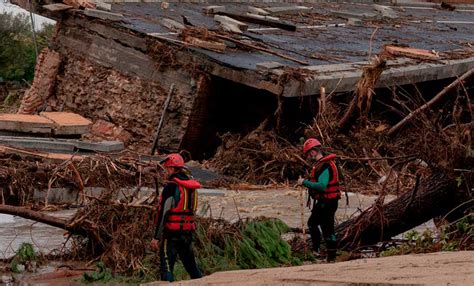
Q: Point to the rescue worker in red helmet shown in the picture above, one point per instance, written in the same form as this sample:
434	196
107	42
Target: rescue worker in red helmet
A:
324	187
175	223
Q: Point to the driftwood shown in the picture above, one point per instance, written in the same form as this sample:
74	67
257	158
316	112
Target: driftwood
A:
260	21
268	51
432	102
435	196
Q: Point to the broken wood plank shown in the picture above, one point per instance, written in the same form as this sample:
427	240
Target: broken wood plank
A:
67	123
259	11
104	15
231	28
411	53
99	4
57	7
213	9
256	20
347	15
78	4
269	65
386	11
26	123
172	24
225	20
263	17
288	9
208	45
241	43
36	154
430	103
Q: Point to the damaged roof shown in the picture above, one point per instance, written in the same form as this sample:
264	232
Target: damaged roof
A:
323	35
309	45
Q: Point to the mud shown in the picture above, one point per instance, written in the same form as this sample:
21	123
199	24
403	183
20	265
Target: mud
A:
442	268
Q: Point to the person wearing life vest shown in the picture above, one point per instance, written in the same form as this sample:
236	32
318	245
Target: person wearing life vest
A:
324	188
175	222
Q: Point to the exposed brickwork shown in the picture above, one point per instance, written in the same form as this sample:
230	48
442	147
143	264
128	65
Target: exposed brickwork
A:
43	84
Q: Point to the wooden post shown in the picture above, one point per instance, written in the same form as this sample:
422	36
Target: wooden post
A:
160	124
303	232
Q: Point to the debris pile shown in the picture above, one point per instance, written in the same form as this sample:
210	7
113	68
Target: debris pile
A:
23	173
260	157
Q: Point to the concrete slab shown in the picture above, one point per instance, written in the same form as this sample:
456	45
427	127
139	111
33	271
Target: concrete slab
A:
61	145
67	123
43	144
25	123
341	81
103	146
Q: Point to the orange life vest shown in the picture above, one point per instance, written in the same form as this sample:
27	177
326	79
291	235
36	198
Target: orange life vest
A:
335	184
181	217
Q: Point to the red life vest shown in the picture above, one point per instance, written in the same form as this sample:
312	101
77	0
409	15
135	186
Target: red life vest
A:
335	184
181	217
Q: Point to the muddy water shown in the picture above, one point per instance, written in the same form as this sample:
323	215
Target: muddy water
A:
231	205
15	230
284	204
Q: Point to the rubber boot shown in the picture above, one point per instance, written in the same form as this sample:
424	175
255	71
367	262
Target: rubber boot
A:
331	245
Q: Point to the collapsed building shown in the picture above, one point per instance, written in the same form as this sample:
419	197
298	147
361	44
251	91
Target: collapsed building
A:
232	64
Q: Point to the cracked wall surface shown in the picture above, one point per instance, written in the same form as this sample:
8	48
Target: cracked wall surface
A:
108	76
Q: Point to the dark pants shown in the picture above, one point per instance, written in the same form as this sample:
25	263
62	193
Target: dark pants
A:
322	215
172	245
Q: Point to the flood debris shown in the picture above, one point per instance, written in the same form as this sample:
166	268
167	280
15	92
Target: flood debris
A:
245	102
131	63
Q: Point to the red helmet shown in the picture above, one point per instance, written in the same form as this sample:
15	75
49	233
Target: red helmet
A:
310	144
173	160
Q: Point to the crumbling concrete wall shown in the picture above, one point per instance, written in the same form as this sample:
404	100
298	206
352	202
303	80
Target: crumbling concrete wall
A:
109	76
122	107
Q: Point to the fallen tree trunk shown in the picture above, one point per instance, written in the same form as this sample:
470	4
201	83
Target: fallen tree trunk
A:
34	215
43	218
435	196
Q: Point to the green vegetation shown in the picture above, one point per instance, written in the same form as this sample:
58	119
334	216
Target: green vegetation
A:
458	235
25	255
221	246
254	244
17	50
101	275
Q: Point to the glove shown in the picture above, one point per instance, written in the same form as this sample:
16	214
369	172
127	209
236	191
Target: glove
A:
300	181
154	244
